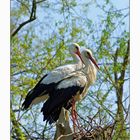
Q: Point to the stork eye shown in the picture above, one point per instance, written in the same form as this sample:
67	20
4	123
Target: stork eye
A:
88	53
76	47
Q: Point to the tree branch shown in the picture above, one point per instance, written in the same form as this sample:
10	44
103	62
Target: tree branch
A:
16	126
40	1
115	64
125	63
32	18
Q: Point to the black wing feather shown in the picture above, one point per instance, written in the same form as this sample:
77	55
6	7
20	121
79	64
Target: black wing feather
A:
39	90
52	107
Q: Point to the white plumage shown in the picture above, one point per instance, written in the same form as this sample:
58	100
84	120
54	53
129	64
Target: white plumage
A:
48	82
61	72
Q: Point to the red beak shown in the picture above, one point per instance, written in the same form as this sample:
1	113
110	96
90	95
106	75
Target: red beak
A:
94	62
79	54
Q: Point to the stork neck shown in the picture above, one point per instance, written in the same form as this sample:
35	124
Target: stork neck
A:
76	58
90	70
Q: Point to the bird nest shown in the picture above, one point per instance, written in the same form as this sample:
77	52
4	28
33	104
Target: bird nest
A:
97	133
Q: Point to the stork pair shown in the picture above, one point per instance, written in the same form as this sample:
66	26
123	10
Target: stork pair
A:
65	85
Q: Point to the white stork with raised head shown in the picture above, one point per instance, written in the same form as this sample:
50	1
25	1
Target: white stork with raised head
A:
49	81
72	88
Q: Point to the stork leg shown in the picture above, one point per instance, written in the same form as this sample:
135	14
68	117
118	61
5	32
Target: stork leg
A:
74	115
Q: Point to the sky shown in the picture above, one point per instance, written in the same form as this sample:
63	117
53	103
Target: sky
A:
92	14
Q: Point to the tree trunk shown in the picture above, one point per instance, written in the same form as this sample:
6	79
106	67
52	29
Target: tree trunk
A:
63	130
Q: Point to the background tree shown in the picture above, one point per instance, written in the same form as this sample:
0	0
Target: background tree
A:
41	31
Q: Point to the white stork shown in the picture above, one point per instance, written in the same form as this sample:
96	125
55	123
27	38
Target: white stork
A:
71	89
49	81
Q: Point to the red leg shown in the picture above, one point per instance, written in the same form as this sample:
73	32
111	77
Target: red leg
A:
74	118
73	115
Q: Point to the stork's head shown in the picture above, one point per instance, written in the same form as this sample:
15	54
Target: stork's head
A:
75	50
88	56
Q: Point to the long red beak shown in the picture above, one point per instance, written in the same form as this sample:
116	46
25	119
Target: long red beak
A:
79	54
94	62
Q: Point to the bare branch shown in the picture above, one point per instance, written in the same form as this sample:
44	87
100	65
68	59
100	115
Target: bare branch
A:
40	1
32	18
